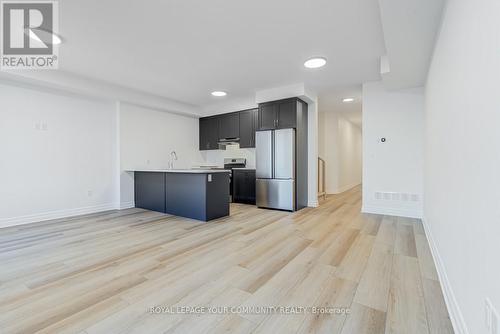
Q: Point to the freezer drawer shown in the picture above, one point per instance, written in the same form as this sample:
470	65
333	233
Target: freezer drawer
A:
276	194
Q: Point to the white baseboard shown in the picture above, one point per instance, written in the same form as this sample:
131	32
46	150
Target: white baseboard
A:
313	204
456	315
126	205
342	189
38	217
400	212
345	188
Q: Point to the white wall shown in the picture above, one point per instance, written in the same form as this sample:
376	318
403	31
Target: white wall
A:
350	155
328	136
77	164
462	159
312	152
340	145
229	105
321	134
217	157
56	153
395	166
146	139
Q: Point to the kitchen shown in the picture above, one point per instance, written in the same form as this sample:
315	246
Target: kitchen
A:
166	160
276	131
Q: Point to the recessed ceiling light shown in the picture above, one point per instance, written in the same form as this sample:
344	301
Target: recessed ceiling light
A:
219	93
348	100
315	62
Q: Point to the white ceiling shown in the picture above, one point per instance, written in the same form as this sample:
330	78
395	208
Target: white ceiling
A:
184	49
332	102
410	28
170	54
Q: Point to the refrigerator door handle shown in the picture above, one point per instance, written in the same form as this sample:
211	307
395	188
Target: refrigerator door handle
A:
273	155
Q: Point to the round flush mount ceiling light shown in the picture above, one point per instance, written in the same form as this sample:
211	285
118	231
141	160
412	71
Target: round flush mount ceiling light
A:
348	100
315	62
219	93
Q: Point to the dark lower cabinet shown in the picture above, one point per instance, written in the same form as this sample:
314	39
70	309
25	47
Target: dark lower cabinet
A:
244	186
197	196
201	196
150	191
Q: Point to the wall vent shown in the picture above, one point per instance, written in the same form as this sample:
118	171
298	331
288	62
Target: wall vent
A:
395	196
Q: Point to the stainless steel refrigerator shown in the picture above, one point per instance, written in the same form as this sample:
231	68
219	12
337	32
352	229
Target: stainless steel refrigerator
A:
275	169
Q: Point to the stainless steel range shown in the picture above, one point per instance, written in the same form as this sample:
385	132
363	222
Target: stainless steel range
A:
229	164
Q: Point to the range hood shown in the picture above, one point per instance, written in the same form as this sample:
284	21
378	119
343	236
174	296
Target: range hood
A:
223	142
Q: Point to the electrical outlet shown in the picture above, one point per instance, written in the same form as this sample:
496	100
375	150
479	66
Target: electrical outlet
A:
491	318
90	193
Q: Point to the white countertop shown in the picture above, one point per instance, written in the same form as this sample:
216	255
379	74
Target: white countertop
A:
190	171
245	168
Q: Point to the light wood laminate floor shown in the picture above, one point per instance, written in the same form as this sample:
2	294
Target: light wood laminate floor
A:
102	273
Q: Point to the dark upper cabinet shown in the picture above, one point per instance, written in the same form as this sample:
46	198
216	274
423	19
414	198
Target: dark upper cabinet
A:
243	186
267	116
209	133
240	124
229	125
280	114
248	122
287	114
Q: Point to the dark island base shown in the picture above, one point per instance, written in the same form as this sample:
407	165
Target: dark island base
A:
192	195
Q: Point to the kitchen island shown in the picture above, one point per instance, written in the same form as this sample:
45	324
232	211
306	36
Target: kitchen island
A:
192	193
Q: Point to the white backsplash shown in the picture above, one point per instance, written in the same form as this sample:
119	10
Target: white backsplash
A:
217	157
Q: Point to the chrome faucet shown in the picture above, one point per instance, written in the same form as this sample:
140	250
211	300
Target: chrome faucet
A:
173	157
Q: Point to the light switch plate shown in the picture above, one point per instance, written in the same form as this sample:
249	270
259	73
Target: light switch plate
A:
209	177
